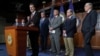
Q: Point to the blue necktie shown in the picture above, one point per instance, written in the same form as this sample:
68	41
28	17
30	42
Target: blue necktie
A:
41	21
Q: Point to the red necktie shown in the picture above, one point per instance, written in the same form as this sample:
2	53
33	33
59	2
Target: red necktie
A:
32	16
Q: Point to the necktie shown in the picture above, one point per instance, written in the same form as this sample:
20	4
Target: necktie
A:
32	16
41	21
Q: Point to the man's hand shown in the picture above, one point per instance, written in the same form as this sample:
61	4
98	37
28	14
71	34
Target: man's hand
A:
31	25
50	28
64	33
28	18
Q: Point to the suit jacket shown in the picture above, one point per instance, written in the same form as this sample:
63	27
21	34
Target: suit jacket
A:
55	23
70	26
35	20
89	23
44	27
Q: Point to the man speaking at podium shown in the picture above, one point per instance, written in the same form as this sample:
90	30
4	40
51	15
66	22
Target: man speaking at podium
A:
33	35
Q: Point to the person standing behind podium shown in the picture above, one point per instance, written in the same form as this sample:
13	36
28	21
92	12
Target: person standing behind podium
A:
88	27
34	19
44	30
54	30
69	30
16	22
22	22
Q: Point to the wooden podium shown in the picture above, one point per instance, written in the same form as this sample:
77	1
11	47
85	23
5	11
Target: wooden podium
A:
15	37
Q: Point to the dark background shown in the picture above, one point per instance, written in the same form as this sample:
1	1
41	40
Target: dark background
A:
8	8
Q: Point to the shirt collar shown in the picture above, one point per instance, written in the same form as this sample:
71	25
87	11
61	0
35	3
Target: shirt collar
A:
70	17
33	12
42	18
56	16
88	11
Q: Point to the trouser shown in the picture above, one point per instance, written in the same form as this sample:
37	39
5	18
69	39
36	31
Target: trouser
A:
55	43
43	40
28	42
69	46
87	44
34	42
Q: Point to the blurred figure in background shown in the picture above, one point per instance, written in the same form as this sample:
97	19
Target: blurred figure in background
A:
16	22
22	22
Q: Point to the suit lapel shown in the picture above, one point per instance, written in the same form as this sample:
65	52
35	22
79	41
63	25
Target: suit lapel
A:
87	16
52	20
33	16
55	20
88	13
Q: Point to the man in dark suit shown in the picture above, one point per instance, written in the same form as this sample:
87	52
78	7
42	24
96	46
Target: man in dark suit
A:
43	31
88	27
69	30
34	19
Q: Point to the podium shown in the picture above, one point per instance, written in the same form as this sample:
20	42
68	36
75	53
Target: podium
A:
15	37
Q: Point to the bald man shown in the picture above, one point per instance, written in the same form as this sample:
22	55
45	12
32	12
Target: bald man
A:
88	27
69	29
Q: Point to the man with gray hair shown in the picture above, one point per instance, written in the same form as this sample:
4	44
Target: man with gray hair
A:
88	27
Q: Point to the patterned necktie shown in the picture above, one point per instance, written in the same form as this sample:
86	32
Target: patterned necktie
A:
32	16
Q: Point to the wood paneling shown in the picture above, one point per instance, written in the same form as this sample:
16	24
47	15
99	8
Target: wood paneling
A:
78	39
